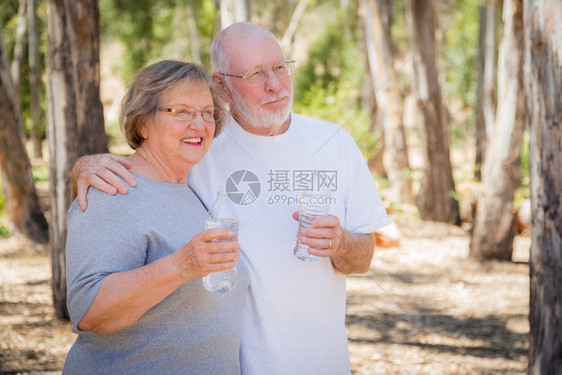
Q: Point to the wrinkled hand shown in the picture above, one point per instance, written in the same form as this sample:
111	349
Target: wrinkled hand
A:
202	256
325	238
102	172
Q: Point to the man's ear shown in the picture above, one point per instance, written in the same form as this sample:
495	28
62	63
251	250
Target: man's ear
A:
218	79
222	87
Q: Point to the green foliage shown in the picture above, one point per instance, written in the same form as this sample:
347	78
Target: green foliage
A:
457	53
8	21
328	85
175	34
40	172
131	22
524	174
460	52
523	191
155	30
399	28
336	104
4	231
276	15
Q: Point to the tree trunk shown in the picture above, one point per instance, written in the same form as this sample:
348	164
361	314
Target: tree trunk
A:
232	11
489	103
543	39
480	125
435	200
19	48
34	80
369	102
193	34
494	224
288	37
75	114
485	97
379	52
20	198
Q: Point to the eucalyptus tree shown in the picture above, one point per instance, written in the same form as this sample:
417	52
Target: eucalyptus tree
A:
435	199
543	46
20	197
376	16
35	81
494	223
75	124
486	89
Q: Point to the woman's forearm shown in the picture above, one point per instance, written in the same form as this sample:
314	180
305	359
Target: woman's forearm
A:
125	296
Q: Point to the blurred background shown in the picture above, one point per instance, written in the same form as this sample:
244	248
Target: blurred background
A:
441	96
415	83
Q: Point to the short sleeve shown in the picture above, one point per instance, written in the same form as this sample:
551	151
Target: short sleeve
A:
100	241
364	209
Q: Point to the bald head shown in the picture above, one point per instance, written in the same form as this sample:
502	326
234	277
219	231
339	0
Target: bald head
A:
235	41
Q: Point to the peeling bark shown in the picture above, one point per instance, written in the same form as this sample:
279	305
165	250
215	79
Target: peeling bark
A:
435	199
543	46
75	124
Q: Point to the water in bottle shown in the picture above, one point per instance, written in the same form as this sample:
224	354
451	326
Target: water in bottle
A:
311	206
221	215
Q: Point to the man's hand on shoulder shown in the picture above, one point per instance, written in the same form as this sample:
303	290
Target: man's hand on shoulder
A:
101	171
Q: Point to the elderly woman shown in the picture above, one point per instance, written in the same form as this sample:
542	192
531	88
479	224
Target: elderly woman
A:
135	261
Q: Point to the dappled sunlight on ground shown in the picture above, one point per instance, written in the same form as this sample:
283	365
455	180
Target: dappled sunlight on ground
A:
424	308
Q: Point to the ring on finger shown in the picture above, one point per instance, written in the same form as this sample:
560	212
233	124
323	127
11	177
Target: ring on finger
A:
330	244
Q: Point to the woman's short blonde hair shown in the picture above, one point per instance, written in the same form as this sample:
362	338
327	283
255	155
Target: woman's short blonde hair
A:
144	95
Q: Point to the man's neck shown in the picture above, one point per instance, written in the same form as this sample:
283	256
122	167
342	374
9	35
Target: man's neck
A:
269	131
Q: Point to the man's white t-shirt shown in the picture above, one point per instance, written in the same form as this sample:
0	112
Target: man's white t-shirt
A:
294	318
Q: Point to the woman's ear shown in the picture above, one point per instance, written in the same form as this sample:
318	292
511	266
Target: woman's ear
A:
144	131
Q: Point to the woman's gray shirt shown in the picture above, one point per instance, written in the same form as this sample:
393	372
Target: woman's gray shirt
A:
192	331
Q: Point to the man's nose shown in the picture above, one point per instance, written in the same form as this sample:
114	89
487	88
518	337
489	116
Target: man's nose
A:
273	82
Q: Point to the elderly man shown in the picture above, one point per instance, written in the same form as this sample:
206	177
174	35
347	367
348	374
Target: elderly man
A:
266	156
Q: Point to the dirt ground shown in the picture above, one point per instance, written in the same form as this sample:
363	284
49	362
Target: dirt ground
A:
424	308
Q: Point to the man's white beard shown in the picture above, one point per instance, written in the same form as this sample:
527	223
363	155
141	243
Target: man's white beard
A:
258	117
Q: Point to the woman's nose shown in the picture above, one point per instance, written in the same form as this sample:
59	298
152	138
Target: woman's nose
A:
197	122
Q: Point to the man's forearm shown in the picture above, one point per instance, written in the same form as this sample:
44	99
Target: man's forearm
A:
74	179
356	251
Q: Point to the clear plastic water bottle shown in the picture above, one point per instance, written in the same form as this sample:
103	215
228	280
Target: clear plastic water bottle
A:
311	206
221	215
